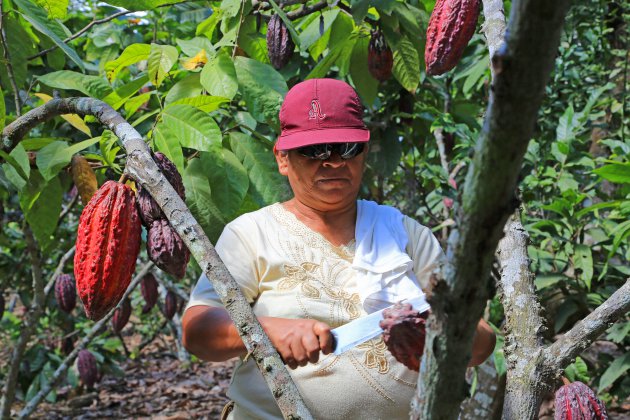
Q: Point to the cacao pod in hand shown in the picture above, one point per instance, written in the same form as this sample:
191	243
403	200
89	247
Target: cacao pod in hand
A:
576	401
149	209
84	178
170	305
166	249
380	57
86	365
149	289
451	26
403	333
280	46
121	316
108	243
65	292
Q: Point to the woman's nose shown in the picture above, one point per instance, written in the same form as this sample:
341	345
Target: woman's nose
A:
334	160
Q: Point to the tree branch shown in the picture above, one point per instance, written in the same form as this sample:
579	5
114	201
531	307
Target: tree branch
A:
522	69
59	270
145	171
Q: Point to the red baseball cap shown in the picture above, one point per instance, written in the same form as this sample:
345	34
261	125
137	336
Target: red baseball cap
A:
321	111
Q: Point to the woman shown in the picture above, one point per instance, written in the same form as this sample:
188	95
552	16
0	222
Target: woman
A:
318	261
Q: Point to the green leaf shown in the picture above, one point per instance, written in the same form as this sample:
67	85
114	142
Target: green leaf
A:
547	280
17	169
566	125
161	61
191	47
577	371
193	128
41	203
52	158
583	261
287	23
77	147
138	5
616	370
406	65
207	27
341	50
3	111
93	86
618	332
168	144
57	9
615	172
120	96
218	76
564	311
131	55
20	46
203	102
188	87
365	84
38	17
311	34
132	105
255	45
267	186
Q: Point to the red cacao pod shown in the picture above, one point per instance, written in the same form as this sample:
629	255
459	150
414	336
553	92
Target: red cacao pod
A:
149	209
108	243
65	292
576	401
149	289
451	26
170	305
380	57
166	249
280	46
88	370
403	333
121	316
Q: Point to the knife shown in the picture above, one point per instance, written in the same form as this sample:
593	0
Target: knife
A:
361	330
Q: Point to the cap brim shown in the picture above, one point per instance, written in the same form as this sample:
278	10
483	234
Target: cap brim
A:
328	135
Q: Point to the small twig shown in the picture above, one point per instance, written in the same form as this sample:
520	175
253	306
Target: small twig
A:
7	58
58	270
238	30
68	209
124	346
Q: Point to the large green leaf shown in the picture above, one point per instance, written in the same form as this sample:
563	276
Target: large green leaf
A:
188	87
38	17
365	84
131	55
218	76
161	61
583	261
138	5
57	9
204	103
193	128
207	27
20	48
263	89
3	111
93	86
616	370
120	96
41	203
17	168
167	143
615	172
406	65
267	186
311	33
52	158
337	52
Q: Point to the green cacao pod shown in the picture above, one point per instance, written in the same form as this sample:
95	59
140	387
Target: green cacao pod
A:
166	249
576	401
280	46
404	333
451	26
108	243
88	370
65	292
380	57
149	290
149	209
121	316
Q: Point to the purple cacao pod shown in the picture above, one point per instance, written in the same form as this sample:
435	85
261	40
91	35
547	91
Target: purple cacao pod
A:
149	289
149	209
66	292
280	45
170	305
86	365
166	249
121	316
576	401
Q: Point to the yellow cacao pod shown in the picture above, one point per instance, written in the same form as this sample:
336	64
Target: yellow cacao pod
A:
84	178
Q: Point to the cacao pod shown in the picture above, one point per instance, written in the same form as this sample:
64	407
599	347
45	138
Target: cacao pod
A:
403	333
121	316
406	104
280	46
451	26
108	243
84	178
149	289
170	305
166	249
380	57
65	292
576	401
86	365
66	345
149	209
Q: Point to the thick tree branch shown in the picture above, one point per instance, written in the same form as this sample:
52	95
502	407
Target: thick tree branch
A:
59	373
522	68
145	171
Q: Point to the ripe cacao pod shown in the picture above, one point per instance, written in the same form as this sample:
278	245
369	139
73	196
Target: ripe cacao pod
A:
86	365
65	292
451	26
403	333
121	316
84	178
576	401
149	209
170	305
380	57
166	249
108	243
149	289
280	46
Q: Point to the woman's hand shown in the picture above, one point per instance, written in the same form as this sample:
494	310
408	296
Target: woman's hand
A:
298	341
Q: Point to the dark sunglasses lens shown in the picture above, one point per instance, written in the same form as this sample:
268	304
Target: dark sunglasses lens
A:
350	150
316	151
323	151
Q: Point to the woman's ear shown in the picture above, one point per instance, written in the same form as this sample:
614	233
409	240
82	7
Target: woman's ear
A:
282	158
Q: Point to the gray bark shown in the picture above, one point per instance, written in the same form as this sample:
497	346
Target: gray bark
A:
522	68
142	168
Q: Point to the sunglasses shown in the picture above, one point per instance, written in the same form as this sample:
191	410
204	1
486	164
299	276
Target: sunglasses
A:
325	150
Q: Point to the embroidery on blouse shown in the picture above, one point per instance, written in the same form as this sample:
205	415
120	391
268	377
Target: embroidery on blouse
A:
301	275
375	357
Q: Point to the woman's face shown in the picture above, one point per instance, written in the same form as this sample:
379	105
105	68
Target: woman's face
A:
324	185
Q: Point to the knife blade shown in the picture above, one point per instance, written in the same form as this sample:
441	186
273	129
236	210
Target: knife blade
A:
363	329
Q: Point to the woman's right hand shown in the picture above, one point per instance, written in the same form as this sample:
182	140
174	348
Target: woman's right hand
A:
298	341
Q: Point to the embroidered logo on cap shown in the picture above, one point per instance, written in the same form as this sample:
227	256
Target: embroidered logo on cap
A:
316	111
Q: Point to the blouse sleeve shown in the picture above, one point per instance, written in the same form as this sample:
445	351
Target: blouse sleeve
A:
424	249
